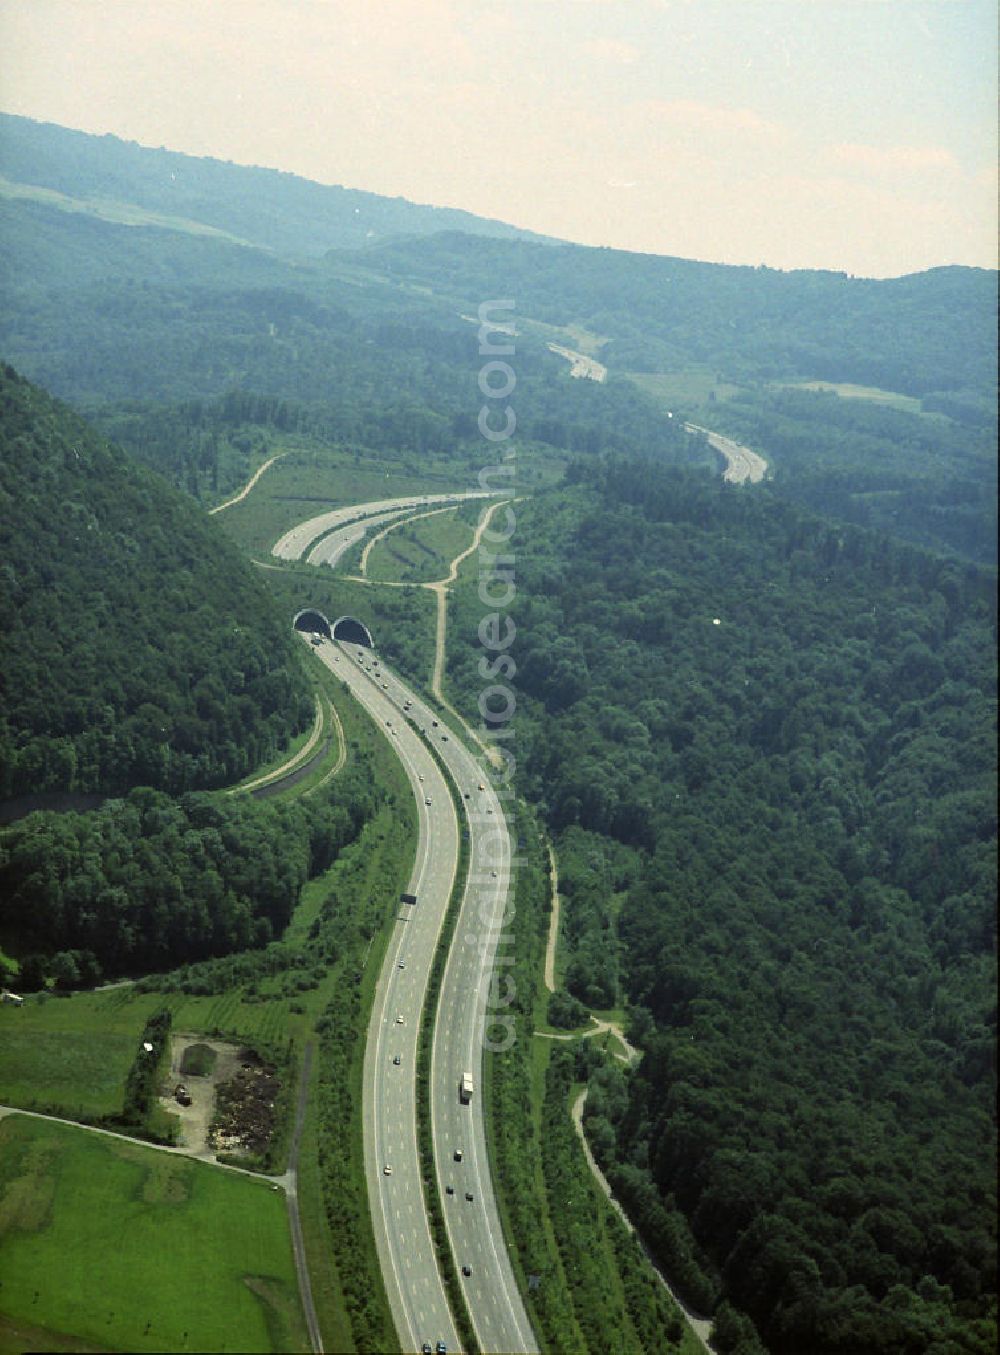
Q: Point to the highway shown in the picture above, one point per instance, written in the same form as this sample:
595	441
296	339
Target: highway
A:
402	1234
416	1293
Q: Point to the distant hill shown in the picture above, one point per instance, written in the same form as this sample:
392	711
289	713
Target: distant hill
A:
927	332
138	648
105	176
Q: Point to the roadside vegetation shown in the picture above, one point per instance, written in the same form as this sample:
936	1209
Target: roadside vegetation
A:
586	1283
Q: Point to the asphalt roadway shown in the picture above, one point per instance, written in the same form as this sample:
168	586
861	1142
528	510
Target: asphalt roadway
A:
409	1266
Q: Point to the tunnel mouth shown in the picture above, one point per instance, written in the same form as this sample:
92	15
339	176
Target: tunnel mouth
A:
312	622
353	632
347	628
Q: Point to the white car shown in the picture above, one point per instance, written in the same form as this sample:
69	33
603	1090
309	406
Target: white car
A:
399	1020
427	799
387	1170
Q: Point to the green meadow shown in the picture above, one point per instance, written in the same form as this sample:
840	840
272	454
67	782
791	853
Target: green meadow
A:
127	1248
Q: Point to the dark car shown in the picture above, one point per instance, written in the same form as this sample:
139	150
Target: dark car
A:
466	1270
469	1195
449	1190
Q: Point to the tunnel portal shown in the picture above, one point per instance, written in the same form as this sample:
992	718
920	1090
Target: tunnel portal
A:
352	632
346	628
313	623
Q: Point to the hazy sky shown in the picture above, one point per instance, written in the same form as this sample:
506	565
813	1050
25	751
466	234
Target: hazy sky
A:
847	134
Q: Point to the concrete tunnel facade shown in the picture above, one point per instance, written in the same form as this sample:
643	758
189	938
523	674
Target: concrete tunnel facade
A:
346	628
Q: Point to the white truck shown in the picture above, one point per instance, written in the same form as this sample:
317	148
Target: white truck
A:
465	1089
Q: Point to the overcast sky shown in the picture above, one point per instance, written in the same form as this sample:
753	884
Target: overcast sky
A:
846	134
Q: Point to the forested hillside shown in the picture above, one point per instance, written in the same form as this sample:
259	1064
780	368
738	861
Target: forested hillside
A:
147	882
767	750
929	332
138	647
263	206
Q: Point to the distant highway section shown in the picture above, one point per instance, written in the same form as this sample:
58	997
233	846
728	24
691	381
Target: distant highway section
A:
742	465
294	544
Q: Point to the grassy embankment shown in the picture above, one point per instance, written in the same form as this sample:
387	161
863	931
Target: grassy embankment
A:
596	1290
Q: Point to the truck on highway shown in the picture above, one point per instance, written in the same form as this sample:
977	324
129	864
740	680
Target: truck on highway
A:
465	1089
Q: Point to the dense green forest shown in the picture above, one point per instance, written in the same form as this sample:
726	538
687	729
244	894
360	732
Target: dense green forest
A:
138	646
766	746
147	882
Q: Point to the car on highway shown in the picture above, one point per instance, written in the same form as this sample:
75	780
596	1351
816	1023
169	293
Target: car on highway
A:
402	964
427	799
466	1270
397	1060
387	1170
449	1190
481	786
399	1019
469	1195
458	1154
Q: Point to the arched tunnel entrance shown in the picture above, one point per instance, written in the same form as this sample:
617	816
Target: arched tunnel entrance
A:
352	632
346	628
313	622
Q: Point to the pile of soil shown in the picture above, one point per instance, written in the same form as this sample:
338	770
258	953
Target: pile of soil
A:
244	1108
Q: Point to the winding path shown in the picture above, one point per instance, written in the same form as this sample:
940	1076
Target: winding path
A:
702	1327
238	498
292	762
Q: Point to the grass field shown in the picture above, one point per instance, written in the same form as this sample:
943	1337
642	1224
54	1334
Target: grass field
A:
130	1249
310	480
420	551
688	388
908	403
